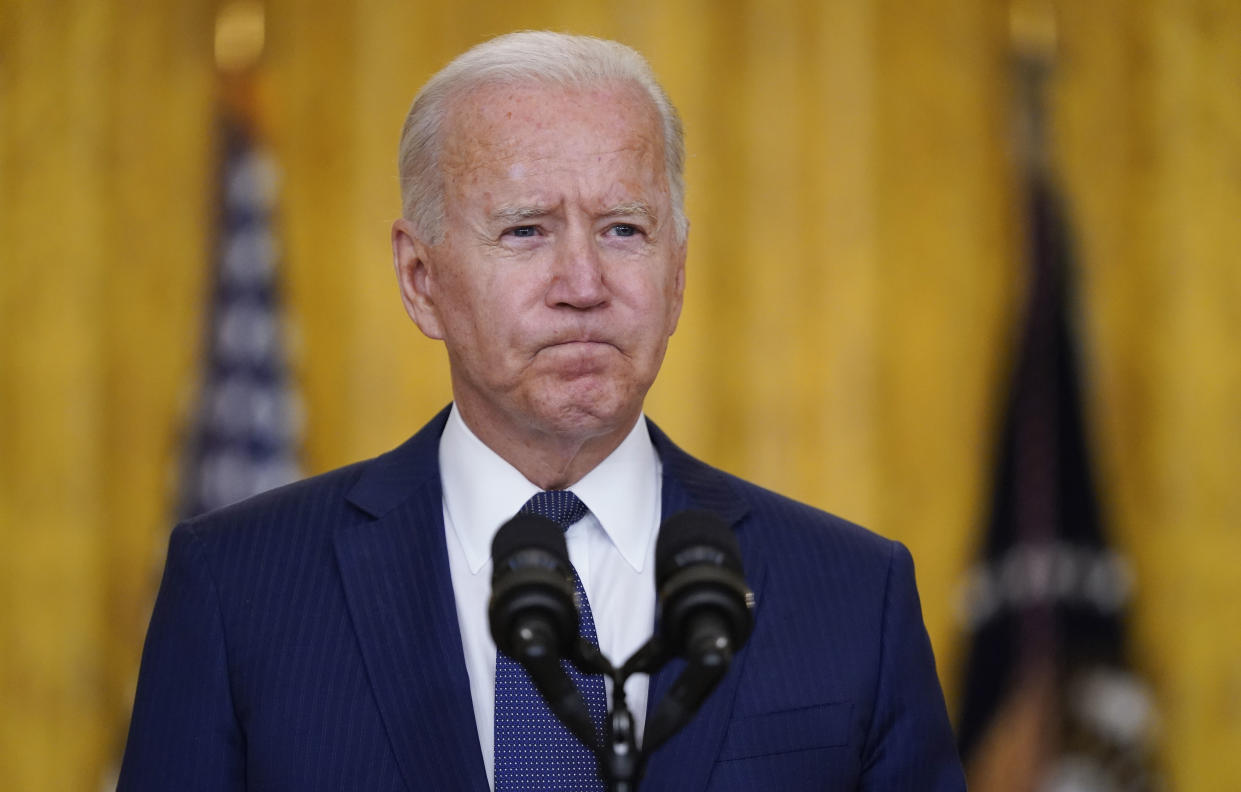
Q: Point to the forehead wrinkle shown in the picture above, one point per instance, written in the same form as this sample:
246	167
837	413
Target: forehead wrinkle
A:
544	202
464	169
501	155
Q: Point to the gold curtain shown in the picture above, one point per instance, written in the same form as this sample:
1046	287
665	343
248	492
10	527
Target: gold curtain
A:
854	279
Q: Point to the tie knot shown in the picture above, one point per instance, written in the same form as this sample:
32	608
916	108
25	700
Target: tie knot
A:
560	506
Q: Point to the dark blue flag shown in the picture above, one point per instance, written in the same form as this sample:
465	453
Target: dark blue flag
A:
1049	701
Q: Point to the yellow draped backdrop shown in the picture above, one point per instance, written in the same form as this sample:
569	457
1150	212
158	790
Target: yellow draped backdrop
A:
853	281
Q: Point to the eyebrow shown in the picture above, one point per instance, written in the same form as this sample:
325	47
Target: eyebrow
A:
631	208
516	214
519	214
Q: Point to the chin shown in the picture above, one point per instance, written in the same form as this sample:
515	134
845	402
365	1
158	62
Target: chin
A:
577	411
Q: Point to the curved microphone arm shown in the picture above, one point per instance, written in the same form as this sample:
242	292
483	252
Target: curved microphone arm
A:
703	671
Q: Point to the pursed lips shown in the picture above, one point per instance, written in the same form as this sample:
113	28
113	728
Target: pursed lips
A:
568	339
584	344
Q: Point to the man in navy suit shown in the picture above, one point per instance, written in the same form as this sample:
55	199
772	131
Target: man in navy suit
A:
331	635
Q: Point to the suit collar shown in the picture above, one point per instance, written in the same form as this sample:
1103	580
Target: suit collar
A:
399	591
392	478
689	483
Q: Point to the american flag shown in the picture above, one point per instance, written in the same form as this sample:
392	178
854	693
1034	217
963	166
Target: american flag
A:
245	433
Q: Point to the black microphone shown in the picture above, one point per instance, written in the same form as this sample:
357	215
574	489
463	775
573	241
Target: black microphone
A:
533	614
705	606
705	612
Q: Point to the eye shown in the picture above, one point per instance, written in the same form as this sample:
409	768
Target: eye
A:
523	231
624	230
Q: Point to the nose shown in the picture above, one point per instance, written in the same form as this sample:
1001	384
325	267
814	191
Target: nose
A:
577	276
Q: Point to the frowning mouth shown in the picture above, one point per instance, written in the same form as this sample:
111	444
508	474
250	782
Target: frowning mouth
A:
576	353
584	343
578	358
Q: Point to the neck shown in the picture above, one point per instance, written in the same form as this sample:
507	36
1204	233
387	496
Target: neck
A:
548	459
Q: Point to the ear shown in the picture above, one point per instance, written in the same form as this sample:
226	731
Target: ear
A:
409	259
678	287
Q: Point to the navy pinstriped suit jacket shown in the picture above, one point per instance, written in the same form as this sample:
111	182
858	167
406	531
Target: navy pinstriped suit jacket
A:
307	639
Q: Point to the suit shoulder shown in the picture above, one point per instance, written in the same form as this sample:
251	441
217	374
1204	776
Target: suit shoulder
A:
793	535
799	523
781	525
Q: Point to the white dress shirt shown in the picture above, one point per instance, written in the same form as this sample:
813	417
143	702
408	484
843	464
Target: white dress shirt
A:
612	548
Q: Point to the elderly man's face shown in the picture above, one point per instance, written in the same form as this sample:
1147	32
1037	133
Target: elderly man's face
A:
559	276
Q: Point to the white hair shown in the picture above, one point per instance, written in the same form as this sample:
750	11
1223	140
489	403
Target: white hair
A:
528	56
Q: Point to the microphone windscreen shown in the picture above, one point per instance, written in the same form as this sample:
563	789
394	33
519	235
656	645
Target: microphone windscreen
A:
693	537
527	532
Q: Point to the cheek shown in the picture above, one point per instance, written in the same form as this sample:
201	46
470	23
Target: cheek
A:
659	301
494	327
467	303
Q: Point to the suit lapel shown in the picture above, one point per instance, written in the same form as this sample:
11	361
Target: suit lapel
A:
399	590
684	763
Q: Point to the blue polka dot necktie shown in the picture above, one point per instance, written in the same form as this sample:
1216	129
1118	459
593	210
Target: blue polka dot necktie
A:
533	750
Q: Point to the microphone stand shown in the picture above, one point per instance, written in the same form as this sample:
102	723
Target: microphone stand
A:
617	754
621	760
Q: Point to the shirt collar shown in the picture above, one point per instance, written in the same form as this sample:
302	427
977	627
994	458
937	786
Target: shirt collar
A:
482	491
